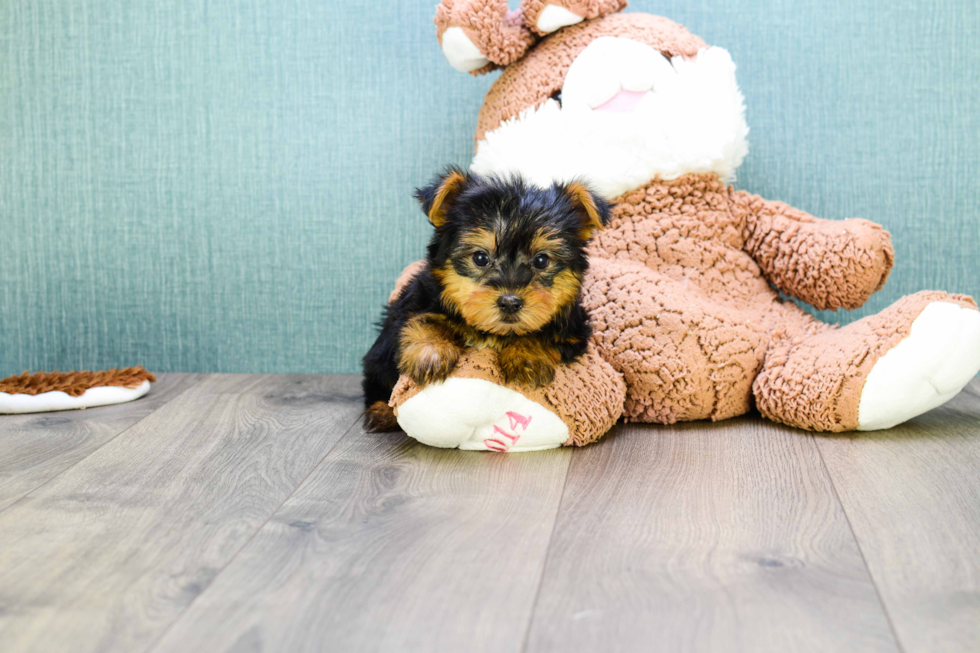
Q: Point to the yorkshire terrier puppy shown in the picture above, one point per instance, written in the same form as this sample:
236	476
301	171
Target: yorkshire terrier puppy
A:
504	270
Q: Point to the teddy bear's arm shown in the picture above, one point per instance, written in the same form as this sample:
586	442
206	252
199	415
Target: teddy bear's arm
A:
829	264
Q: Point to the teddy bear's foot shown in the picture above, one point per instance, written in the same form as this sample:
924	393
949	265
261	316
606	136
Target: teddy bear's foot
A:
877	372
925	370
479	415
475	409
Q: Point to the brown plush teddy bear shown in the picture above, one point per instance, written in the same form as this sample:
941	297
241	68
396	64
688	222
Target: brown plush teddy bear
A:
684	285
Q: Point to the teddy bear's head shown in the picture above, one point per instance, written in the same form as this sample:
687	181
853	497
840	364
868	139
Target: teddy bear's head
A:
614	99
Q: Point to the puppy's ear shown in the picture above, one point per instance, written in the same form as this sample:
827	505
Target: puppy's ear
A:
439	196
594	210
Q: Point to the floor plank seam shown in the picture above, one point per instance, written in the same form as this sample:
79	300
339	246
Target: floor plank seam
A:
547	554
857	542
153	645
99	448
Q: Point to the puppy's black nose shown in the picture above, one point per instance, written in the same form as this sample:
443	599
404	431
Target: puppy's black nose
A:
510	304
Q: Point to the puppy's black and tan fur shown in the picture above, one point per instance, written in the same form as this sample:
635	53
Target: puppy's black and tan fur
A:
504	270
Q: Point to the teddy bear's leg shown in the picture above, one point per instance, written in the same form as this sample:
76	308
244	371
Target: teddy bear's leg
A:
474	410
874	373
684	355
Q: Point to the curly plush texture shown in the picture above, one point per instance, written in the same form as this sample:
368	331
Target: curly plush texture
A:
499	34
680	296
74	384
587	395
531	9
815	382
532	80
407	274
829	265
678	307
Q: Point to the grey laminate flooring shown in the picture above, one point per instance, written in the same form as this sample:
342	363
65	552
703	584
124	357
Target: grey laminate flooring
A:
252	513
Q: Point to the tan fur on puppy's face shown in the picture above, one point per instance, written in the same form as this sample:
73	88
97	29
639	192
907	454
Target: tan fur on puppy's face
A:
477	303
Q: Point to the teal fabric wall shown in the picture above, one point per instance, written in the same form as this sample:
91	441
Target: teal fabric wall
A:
224	185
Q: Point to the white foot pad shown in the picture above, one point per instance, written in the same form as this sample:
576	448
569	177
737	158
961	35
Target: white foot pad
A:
460	51
481	416
925	370
51	401
553	18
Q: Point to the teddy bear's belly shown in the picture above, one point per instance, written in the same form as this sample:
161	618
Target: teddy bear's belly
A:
678	307
683	354
684	229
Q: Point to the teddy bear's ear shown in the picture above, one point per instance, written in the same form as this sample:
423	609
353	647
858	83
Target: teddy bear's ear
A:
439	196
546	16
594	210
478	36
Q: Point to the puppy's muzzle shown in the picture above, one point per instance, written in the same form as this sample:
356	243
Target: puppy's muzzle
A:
510	304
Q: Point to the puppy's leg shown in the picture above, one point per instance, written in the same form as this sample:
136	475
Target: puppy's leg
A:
428	349
380	417
529	361
381	374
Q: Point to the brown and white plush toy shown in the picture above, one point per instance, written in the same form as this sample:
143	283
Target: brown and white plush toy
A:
44	392
682	287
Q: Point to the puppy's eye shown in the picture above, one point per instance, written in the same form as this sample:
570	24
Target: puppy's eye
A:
481	259
541	261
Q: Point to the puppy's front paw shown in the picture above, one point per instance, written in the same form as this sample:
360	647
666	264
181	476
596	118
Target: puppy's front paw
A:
427	352
528	365
379	418
428	362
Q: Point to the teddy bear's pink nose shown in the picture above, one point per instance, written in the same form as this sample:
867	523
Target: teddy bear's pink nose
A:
623	102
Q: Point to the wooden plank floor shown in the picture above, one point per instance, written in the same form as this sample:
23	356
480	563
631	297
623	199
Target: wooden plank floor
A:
252	513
